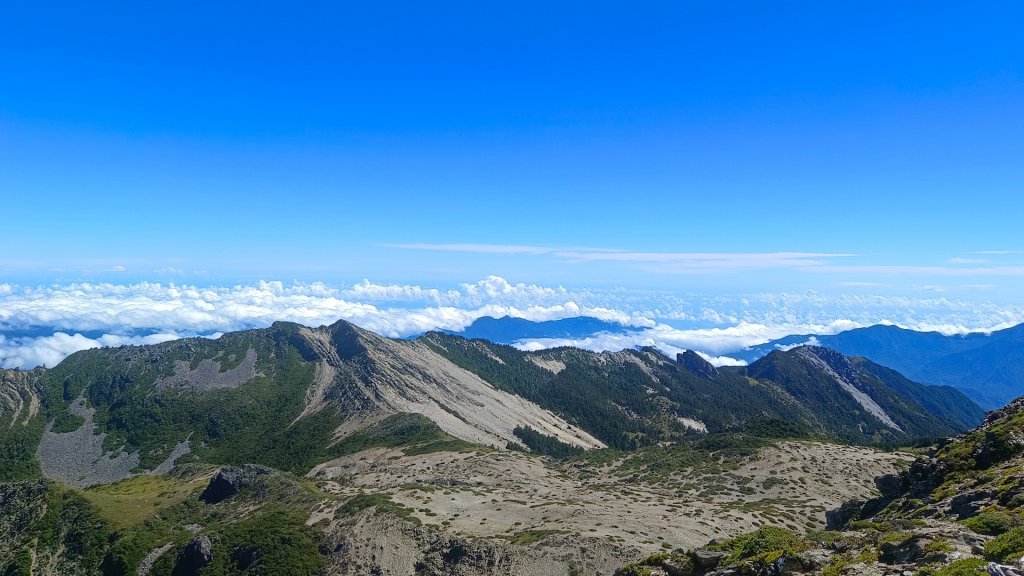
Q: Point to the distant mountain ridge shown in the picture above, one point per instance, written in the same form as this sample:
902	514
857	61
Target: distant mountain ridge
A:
658	394
860	400
509	330
988	368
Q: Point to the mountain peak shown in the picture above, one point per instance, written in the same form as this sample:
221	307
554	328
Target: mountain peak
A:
697	364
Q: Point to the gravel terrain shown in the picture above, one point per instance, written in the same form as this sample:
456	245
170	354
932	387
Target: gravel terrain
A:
77	458
499	495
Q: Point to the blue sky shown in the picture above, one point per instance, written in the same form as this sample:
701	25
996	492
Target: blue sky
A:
682	147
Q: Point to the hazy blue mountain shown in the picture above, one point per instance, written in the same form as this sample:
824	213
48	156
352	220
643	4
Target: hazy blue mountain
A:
988	368
508	330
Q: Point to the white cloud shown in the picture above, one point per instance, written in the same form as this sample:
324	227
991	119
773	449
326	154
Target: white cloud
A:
604	342
50	350
959	260
681	262
812	341
715	325
670	262
475	248
899	270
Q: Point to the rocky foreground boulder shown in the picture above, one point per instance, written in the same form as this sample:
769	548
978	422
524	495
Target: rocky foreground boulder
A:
196	554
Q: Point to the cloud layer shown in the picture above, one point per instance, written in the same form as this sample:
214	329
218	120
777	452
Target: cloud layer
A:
42	324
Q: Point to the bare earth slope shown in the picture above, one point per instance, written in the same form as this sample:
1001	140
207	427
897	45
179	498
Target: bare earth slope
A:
371	376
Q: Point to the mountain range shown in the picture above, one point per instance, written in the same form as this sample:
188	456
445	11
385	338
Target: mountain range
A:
509	330
346	440
989	368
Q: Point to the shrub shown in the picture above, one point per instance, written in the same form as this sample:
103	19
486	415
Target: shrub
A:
963	567
992	523
764	540
1007	546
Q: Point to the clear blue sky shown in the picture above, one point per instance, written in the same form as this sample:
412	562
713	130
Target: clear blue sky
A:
318	141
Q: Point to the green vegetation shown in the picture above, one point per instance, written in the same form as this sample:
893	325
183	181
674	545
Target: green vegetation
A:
413	433
631	401
634	398
644	567
226	425
1007	546
262	527
717	454
945	402
19	432
381	502
763	543
18	450
128	502
962	567
544	444
999	442
48	520
843	416
277	541
839	562
990	522
67	422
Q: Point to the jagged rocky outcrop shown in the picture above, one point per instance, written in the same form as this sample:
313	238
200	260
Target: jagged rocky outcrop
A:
194	556
230	480
696	364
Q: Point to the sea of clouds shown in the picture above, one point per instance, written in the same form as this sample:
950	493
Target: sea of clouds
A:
40	325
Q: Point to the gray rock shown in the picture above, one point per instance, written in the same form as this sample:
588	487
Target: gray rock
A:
903	552
245	557
230	480
705	559
994	569
966	505
788	565
838	518
679	567
196	554
890	485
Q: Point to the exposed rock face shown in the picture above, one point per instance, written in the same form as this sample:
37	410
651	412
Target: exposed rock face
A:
838	367
19	396
207	375
367	376
696	364
196	554
229	481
